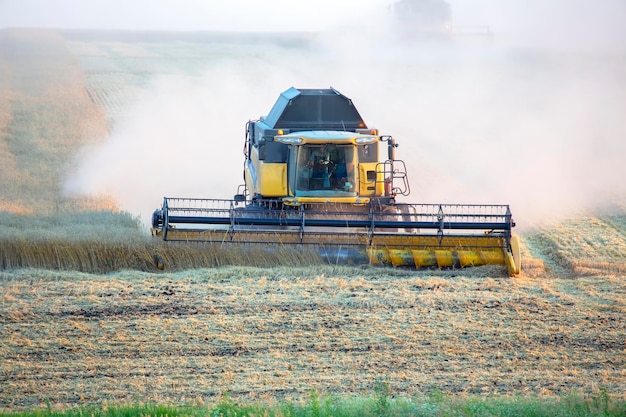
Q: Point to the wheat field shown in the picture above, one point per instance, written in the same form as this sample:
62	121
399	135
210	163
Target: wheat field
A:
86	317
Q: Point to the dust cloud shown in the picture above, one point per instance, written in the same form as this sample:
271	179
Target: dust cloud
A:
532	117
184	137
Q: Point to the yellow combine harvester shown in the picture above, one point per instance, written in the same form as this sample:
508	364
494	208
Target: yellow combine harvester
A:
317	176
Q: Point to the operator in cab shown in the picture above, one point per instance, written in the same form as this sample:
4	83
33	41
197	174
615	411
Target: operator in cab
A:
321	165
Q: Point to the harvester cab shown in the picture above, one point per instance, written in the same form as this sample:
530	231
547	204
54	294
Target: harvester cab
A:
316	176
314	147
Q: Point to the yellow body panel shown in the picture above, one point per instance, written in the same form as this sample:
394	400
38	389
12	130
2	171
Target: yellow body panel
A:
268	179
370	188
271	180
517	257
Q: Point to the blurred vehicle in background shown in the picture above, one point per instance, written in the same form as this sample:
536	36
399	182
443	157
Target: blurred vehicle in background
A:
430	19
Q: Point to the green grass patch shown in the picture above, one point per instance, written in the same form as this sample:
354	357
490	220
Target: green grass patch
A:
380	404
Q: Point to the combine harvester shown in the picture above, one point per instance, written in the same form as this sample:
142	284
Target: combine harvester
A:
431	19
316	176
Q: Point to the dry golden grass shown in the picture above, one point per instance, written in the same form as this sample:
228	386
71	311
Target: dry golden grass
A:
257	333
45	117
102	256
100	242
588	245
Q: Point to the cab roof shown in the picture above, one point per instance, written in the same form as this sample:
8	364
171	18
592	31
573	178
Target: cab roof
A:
314	109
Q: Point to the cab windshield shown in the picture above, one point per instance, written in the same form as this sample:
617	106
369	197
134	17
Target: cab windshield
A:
325	170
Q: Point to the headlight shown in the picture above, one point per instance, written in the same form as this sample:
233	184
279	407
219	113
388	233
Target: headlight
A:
363	140
289	140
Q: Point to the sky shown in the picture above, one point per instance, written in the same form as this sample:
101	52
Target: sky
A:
286	14
587	23
179	14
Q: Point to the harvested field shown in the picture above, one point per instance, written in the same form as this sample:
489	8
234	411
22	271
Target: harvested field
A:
85	316
278	333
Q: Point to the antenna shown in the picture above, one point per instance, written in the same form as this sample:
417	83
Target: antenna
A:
344	125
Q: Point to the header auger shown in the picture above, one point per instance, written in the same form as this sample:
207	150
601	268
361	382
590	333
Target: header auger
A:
317	176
